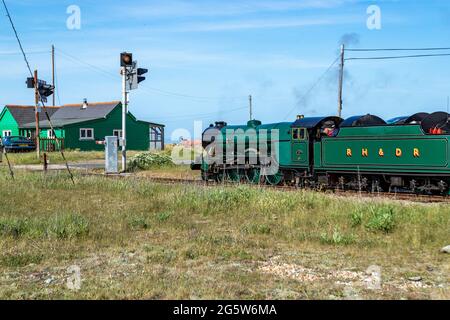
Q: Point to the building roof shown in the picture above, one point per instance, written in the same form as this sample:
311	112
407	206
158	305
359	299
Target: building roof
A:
25	114
93	111
57	123
66	114
75	113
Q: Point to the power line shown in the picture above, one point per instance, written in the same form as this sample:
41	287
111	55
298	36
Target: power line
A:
399	57
397	49
17	37
206	117
19	53
40	96
202	115
156	90
114	76
314	85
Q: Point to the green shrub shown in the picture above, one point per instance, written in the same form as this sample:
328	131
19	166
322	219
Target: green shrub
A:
356	217
257	229
381	219
149	160
138	222
20	260
13	227
61	226
67	226
337	238
163	216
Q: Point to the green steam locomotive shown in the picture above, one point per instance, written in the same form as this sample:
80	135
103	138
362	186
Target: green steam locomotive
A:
405	154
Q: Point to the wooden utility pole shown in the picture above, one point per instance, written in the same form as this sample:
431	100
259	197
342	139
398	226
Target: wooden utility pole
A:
448	104
250	107
53	72
36	111
341	81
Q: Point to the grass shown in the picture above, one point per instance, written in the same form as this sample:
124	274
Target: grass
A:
55	157
133	239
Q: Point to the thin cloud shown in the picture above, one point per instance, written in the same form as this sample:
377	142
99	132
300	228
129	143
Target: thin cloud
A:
179	8
264	24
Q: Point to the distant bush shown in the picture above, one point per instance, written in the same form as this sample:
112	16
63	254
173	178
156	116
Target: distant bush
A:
148	160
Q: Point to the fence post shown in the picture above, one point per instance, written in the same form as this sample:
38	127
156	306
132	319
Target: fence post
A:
45	162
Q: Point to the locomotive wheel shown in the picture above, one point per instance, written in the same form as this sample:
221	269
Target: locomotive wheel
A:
219	177
234	175
253	176
275	179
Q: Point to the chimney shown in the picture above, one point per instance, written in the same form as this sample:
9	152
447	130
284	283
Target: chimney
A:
85	104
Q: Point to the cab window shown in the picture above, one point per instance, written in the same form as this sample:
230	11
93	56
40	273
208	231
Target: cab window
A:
299	134
302	134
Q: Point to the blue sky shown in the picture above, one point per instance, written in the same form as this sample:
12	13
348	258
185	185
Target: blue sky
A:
205	57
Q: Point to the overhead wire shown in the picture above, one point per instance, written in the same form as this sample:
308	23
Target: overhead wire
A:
111	75
398	57
395	49
303	97
20	53
40	96
153	89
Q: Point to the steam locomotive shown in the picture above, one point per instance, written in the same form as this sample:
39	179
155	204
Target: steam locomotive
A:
404	154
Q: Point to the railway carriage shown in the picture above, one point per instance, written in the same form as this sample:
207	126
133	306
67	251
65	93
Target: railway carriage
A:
405	154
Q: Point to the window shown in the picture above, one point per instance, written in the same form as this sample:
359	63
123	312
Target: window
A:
299	134
117	133
6	133
50	134
302	134
86	134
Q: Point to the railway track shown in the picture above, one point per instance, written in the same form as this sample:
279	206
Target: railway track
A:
341	193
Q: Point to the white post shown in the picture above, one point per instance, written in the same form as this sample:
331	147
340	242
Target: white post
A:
124	118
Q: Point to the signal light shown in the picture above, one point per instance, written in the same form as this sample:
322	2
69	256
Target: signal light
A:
30	83
46	90
126	59
140	72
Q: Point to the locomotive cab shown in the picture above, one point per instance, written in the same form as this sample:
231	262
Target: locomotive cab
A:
305	132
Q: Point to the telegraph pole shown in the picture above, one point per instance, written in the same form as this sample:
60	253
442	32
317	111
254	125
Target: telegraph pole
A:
36	112
53	71
448	104
250	107
341	80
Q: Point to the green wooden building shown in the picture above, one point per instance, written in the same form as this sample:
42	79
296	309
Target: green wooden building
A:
80	126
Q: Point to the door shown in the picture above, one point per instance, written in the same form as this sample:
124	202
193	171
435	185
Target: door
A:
300	146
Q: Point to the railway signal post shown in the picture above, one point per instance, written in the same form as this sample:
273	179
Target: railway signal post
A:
131	77
42	91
